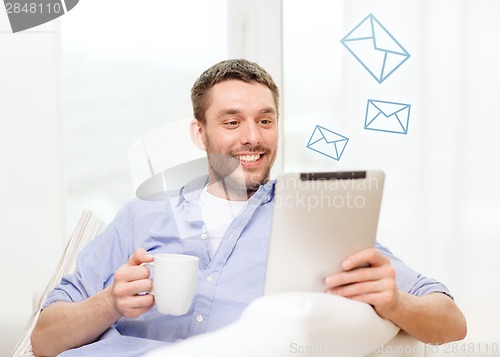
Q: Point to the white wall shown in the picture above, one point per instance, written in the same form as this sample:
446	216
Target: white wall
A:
32	188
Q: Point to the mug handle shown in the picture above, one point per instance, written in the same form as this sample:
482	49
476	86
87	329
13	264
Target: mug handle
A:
151	292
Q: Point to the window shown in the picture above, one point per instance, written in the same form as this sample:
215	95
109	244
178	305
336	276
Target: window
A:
128	68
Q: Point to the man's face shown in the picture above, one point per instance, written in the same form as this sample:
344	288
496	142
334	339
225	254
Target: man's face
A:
241	134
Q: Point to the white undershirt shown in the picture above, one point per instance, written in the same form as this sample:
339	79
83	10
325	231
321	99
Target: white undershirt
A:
217	213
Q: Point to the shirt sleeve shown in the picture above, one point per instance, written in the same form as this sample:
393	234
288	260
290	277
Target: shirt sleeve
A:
97	262
409	280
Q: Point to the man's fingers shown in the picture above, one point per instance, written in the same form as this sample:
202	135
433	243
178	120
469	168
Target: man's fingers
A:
369	256
361	288
137	302
131	273
353	276
133	288
134	306
139	257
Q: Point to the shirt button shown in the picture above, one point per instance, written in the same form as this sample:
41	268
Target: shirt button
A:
199	318
203	236
210	278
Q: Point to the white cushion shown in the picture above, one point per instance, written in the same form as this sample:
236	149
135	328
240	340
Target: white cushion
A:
292	324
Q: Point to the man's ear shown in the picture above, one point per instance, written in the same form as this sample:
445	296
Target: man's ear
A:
196	130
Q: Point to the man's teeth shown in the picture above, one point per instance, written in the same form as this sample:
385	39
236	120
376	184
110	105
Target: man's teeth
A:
248	158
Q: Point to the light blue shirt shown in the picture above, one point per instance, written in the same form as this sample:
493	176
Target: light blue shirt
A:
227	282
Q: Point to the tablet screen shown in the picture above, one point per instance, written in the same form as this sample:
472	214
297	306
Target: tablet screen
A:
319	219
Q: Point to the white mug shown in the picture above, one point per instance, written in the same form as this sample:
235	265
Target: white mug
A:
174	282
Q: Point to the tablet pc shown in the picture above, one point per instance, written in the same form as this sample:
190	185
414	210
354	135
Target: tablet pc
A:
319	219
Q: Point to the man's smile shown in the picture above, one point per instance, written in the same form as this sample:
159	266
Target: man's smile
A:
249	159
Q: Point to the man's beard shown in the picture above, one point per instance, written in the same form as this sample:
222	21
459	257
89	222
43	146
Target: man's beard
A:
228	171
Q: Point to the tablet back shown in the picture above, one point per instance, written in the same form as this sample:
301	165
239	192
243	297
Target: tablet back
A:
318	220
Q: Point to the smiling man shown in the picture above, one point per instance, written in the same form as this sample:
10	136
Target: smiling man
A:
225	220
242	119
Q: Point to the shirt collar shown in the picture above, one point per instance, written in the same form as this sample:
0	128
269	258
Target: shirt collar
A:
192	190
187	200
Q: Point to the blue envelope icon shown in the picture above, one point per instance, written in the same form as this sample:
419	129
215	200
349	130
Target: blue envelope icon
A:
387	116
375	48
327	142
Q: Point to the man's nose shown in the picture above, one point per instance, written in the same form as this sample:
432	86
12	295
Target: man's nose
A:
251	134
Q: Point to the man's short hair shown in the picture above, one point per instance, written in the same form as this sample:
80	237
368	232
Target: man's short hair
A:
239	69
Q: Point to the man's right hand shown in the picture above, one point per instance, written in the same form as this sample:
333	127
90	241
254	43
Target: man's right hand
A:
130	280
65	325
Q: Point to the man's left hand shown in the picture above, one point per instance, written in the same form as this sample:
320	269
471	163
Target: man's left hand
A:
367	276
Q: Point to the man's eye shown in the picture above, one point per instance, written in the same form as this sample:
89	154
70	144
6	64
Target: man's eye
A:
232	123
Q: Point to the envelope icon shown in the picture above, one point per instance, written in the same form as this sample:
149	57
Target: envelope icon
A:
387	116
327	142
375	48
